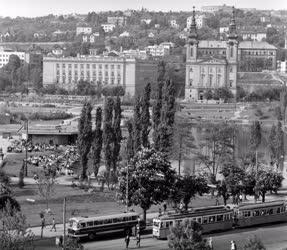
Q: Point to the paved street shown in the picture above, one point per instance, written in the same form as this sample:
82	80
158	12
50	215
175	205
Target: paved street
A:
274	237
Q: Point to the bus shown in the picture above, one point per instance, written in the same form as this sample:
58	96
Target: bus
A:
213	218
80	227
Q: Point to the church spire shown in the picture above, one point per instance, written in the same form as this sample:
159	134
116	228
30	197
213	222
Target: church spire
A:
232	26
192	28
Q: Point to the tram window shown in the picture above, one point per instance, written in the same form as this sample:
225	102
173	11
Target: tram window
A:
211	219
205	220
278	210
271	211
247	213
115	220
263	212
134	218
219	217
199	220
256	213
282	209
90	223
82	225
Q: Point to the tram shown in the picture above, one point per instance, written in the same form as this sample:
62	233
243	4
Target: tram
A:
212	218
223	218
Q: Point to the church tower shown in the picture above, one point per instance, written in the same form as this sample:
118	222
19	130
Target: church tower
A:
232	55
192	40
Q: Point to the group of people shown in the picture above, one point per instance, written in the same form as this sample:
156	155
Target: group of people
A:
137	237
43	225
232	244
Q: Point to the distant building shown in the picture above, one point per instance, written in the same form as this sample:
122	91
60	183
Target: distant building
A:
84	30
146	21
130	73
223	30
151	35
282	66
124	34
210	64
173	24
34	59
199	20
158	50
134	53
117	20
253	34
107	27
215	8
58	33
157	26
91	38
6	53
57	50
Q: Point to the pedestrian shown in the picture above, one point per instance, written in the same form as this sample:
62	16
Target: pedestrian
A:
233	245
138	239
216	202
181	206
210	244
43	225
159	212
53	225
240	198
164	207
127	240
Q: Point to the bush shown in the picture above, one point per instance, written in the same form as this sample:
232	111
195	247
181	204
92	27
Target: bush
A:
60	115
254	244
113	91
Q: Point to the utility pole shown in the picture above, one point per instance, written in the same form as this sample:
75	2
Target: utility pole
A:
127	189
64	223
26	148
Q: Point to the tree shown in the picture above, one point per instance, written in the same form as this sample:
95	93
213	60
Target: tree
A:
14	234
97	142
183	141
137	125
36	78
217	147
130	142
222	190
254	244
145	116
46	186
189	186
255	138
85	137
187	236
108	134
150	179
117	133
21	176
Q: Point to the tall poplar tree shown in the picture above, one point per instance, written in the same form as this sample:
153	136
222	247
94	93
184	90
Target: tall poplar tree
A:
130	141
84	138
108	135
137	126
117	133
145	116
97	141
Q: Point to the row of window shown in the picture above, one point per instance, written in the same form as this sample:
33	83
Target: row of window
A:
107	221
88	66
94	79
211	70
94	73
258	53
262	212
200	220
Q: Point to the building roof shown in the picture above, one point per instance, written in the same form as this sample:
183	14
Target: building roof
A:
212	44
255	45
262	78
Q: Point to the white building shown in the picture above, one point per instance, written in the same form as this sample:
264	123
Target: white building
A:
199	20
5	54
173	24
282	66
253	35
125	34
90	38
108	27
146	21
84	30
158	50
223	30
130	73
151	35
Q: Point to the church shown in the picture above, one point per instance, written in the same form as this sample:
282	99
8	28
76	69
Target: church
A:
210	64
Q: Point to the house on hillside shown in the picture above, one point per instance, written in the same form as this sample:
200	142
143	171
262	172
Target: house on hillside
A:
124	34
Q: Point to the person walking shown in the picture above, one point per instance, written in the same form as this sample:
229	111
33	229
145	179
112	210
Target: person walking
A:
233	245
210	243
53	225
127	240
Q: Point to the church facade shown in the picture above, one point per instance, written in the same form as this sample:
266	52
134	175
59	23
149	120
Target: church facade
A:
210	64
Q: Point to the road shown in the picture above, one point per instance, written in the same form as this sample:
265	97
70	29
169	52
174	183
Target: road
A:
274	238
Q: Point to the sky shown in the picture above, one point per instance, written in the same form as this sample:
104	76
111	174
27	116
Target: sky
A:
32	8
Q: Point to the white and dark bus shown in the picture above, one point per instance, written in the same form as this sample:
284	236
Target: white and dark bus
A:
81	227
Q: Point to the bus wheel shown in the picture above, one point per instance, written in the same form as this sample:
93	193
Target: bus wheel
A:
92	236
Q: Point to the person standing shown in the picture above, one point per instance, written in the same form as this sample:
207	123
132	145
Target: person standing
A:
138	239
43	225
127	240
53	225
210	243
233	245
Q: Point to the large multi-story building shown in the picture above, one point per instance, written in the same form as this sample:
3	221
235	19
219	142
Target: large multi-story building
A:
215	8
210	64
108	27
6	53
130	73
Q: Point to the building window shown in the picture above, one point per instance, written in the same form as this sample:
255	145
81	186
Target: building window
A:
69	66
94	66
106	80
106	66
64	65
119	81
76	73
58	72
75	66
230	83
218	79
82	73
106	73
231	51
230	69
100	66
190	70
94	73
70	72
112	66
210	80
119	66
57	65
88	73
82	66
76	79
87	66
190	82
